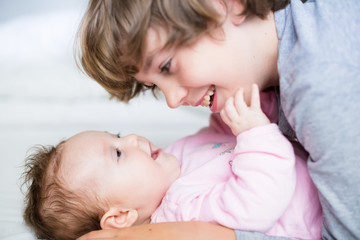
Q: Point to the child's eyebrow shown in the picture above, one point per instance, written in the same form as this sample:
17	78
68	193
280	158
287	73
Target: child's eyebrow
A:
148	62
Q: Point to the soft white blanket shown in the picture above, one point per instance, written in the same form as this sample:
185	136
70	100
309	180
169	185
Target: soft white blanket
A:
44	98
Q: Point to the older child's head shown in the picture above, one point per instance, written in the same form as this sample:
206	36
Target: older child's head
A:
132	45
95	180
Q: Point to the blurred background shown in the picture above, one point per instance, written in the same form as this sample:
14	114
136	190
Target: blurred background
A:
45	98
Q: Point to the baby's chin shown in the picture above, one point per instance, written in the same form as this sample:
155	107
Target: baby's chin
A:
172	166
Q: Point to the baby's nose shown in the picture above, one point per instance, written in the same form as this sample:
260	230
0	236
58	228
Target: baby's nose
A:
131	139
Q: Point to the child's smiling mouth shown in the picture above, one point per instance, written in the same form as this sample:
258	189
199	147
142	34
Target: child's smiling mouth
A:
207	100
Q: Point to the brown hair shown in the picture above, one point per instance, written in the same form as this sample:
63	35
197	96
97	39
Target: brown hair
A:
51	210
112	35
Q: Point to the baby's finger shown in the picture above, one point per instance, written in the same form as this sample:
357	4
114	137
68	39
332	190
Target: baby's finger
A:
229	108
224	117
239	100
255	96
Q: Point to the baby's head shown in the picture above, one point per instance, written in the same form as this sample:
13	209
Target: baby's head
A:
113	34
95	180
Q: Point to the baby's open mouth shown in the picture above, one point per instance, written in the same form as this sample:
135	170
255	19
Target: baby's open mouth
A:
155	154
209	97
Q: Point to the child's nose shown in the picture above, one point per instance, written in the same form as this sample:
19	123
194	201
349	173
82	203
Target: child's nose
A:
175	97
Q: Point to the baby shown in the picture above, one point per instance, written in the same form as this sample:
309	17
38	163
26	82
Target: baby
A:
250	180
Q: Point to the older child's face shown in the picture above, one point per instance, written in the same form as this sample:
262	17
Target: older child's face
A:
210	71
129	170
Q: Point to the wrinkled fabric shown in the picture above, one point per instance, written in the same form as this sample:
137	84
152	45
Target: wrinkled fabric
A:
252	182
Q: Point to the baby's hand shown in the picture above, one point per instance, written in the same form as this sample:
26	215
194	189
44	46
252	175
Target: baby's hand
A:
241	117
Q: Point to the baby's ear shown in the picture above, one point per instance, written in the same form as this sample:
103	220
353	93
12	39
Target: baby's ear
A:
117	217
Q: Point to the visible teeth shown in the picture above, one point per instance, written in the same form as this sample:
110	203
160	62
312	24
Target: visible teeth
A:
205	103
206	100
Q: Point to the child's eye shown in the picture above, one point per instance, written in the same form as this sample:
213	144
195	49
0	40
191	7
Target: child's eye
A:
166	67
149	85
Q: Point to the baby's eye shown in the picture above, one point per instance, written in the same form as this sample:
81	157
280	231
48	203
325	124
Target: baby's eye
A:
166	67
118	153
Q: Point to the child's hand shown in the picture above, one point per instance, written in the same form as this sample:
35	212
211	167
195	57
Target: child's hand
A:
241	117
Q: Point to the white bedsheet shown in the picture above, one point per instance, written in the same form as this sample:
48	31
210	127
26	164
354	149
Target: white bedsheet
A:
44	99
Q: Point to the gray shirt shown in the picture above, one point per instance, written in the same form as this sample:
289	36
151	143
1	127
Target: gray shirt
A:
319	68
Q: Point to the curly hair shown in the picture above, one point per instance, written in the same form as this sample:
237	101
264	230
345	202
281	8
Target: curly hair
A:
53	211
112	35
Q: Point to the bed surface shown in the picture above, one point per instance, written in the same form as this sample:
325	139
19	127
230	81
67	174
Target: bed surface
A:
44	98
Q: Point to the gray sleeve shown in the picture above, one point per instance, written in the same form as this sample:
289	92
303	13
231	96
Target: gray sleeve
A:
320	96
325	114
243	235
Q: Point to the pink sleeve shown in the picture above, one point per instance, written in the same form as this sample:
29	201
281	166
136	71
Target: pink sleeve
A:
262	184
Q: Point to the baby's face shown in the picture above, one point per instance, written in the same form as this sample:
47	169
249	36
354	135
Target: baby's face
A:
129	170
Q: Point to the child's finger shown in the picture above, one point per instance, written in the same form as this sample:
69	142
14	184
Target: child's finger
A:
255	96
239	100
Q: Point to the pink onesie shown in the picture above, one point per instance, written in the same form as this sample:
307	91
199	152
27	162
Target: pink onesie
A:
250	182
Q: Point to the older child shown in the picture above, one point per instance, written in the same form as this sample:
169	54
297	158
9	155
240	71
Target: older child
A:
200	52
251	182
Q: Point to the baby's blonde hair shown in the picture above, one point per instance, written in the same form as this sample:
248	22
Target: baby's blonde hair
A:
53	211
112	35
